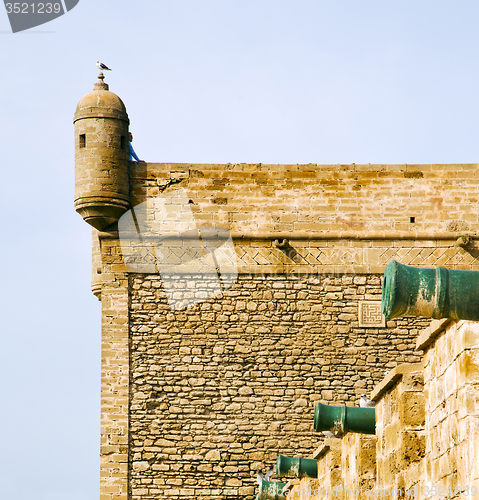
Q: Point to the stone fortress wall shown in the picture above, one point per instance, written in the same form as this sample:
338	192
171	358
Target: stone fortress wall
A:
194	401
217	391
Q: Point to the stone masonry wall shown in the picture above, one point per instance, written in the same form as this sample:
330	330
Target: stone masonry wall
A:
220	389
314	199
451	387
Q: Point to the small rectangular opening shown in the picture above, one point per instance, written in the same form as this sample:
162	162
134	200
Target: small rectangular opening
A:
412	220
122	142
82	140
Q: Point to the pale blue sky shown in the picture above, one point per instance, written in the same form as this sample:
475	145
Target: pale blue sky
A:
270	81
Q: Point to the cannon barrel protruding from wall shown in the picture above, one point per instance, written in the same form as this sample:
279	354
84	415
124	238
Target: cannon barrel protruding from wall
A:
343	419
432	293
271	490
296	467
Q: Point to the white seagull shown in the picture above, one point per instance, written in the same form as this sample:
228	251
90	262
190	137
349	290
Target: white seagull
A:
365	402
260	477
102	66
268	474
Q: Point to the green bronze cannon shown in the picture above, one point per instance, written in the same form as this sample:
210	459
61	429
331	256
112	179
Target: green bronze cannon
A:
271	490
433	293
343	419
296	467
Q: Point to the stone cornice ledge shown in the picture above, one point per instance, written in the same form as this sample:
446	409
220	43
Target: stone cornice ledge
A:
353	235
428	335
329	235
393	376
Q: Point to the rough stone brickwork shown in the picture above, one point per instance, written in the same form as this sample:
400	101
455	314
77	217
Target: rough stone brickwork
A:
222	388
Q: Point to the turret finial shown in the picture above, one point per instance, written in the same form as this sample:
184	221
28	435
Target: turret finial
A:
101	85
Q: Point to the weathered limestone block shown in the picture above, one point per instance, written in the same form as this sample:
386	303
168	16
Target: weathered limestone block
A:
400	428
329	466
358	464
451	378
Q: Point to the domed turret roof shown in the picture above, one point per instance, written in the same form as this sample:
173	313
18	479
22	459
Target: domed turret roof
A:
101	103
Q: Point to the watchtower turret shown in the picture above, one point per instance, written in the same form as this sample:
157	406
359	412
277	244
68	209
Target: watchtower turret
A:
101	157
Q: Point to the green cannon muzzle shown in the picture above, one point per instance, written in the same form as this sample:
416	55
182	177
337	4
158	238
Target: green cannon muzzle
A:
296	467
432	293
343	419
271	490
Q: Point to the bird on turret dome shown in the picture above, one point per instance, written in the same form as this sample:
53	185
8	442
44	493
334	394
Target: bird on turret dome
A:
102	67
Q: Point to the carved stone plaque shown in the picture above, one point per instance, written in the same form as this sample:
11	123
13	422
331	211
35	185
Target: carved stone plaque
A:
370	315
